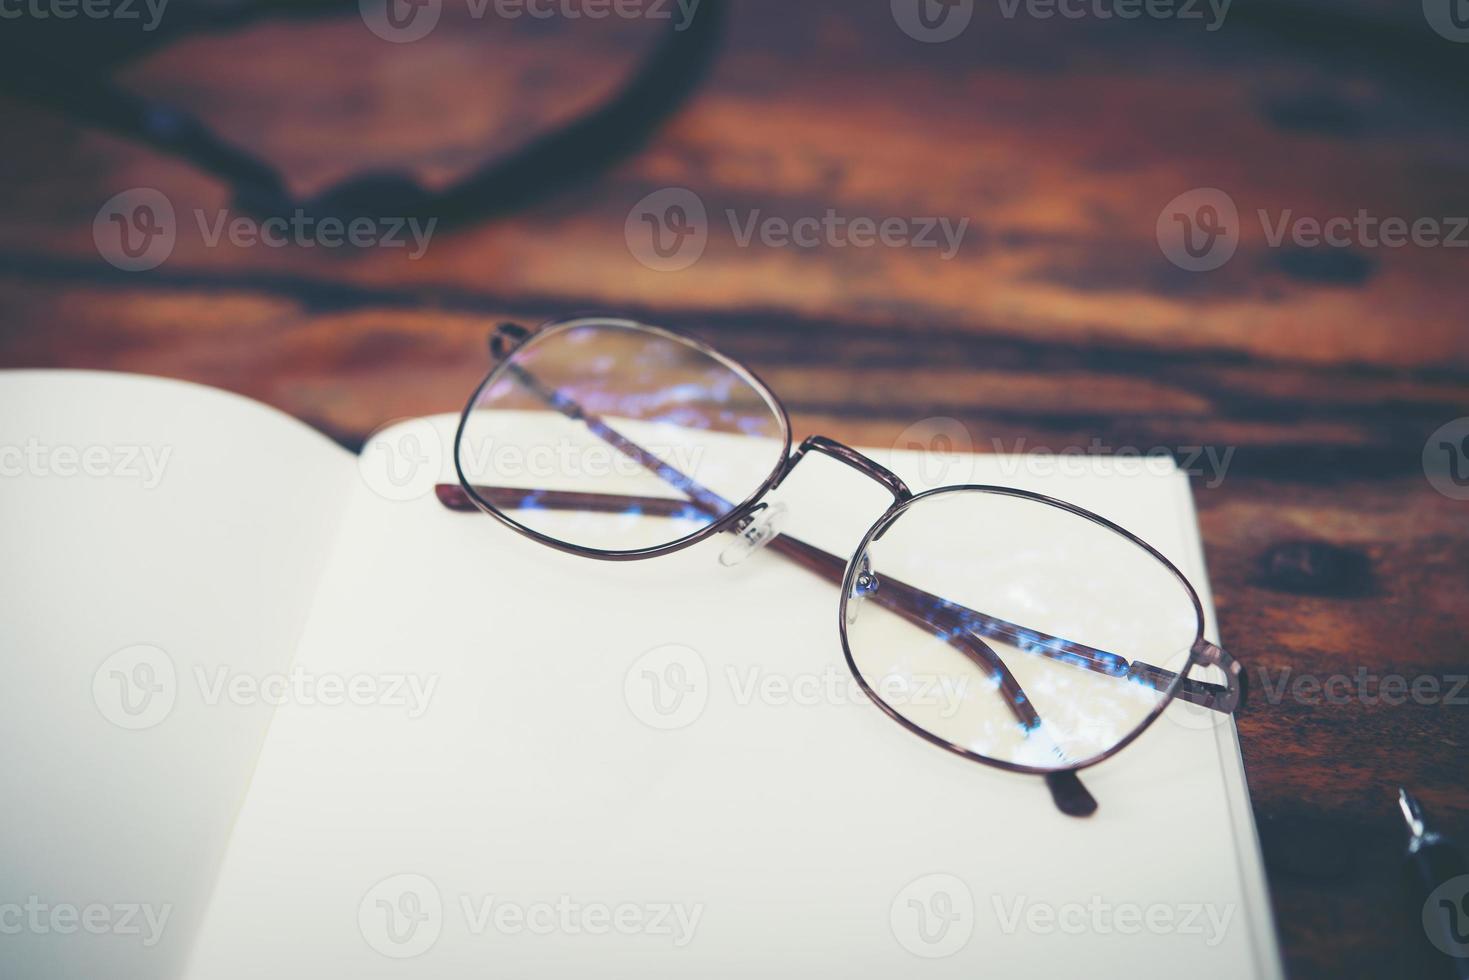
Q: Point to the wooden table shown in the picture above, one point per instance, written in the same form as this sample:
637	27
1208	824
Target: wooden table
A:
1058	322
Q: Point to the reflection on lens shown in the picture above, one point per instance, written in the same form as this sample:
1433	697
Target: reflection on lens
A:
1015	629
618	438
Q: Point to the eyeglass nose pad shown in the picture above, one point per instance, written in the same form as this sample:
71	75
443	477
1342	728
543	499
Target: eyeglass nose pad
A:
754	533
863	585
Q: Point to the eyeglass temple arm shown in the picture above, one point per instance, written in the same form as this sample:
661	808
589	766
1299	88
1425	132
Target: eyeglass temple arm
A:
919	607
707	501
971	646
714	506
822	563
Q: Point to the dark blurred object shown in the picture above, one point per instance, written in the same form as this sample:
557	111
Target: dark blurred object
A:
67	65
1316	568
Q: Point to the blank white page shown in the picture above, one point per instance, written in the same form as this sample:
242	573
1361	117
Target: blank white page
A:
536	816
152	530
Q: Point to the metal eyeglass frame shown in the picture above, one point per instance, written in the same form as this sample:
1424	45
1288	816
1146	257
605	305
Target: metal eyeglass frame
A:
965	629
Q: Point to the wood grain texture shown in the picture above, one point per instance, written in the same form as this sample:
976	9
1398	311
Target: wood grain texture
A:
1057	323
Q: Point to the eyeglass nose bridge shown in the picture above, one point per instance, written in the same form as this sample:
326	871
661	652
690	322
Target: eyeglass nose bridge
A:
854	459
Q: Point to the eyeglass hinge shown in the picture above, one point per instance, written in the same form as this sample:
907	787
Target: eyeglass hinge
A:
1213	655
506	337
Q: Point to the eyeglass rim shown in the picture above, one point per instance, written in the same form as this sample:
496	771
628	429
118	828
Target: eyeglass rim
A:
736	514
898	508
903	500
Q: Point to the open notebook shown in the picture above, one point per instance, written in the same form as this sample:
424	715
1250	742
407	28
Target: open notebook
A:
271	710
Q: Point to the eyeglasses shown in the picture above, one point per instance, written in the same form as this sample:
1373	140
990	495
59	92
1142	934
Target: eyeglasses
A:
1055	636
